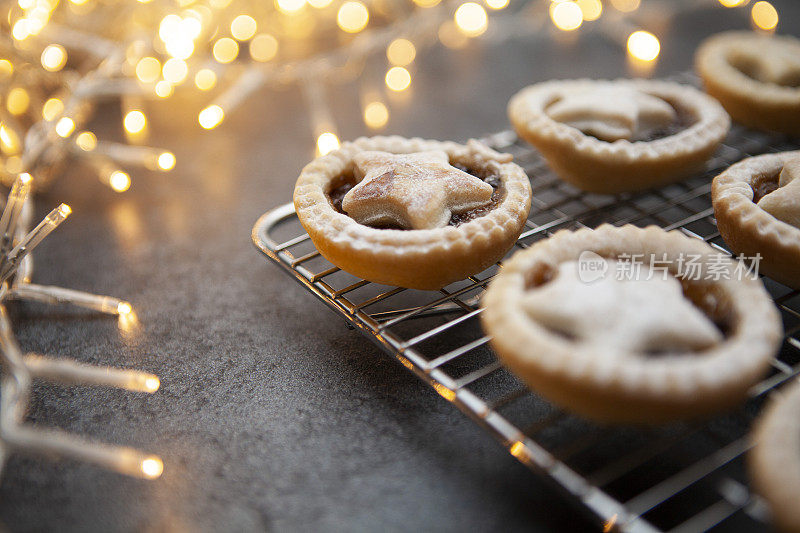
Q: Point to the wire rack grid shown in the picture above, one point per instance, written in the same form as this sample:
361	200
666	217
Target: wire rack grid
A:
681	477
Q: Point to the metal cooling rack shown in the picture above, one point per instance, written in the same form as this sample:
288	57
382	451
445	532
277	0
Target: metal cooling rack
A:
681	477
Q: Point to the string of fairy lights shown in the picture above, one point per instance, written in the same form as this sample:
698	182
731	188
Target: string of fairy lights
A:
264	31
60	58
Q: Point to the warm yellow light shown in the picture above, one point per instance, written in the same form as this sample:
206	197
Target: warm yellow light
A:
451	36
9	140
211	117
263	47
401	52
54	57
20	30
148	69
169	27
166	161
352	16
765	16
591	9
319	4
643	45
86	141
626	6
123	308
25	178
566	16
180	46
290	6
25	4
134	121
80	2
376	115
733	3
471	19
327	142
6	68
52	108
64	127
398	79
192	26
519	451
65	210
226	50
243	27
497	4
151	384
175	70
205	79
152	467
120	182
427	3
163	89
17	101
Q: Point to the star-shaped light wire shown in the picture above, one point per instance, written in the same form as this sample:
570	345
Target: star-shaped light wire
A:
16	244
417	191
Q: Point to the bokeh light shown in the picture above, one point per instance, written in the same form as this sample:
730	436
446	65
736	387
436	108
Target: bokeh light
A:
497	4
626	6
148	69
352	16
327	142
401	52
765	16
17	101
643	45
211	117
134	121
54	57
225	50
566	15
243	27
398	79
205	79
591	9
376	115
471	19
86	141
263	47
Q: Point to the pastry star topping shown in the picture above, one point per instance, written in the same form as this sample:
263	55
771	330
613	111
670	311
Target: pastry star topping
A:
784	202
776	64
612	113
621	315
413	191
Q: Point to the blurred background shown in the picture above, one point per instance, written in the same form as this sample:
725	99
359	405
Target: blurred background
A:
169	127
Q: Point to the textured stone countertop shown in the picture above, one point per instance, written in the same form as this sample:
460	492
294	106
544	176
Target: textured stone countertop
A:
272	414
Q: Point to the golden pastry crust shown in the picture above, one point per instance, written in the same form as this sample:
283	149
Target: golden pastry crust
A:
612	167
418	259
774	461
766	106
612	385
749	230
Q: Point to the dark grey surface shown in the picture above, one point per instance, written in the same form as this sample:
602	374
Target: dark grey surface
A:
271	413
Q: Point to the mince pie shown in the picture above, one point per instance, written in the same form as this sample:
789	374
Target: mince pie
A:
410	212
615	325
622	135
757	207
775	459
756	77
